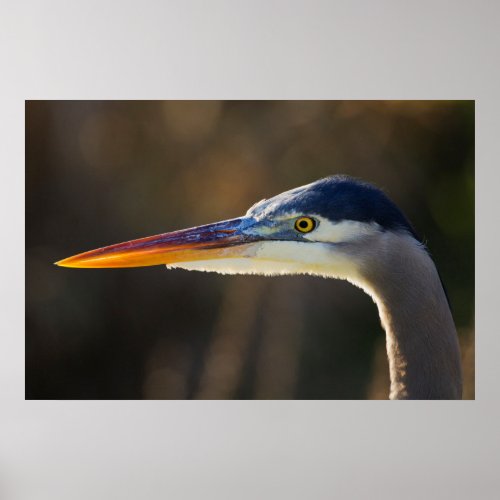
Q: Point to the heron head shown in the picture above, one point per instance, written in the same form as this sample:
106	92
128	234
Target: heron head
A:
321	228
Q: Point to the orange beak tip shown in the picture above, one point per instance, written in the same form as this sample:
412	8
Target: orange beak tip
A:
63	263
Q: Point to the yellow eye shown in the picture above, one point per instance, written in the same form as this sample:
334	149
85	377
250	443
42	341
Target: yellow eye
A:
305	224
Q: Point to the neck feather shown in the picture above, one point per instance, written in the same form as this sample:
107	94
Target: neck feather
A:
422	344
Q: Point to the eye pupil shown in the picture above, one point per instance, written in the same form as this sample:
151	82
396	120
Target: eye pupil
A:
303	224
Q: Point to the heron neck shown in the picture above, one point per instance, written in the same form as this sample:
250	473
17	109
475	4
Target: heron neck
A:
422	344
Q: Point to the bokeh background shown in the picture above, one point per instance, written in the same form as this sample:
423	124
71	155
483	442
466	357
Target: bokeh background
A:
99	173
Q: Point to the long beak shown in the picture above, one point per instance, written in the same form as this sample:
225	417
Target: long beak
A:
214	241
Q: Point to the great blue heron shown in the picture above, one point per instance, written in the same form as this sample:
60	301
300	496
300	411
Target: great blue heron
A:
336	227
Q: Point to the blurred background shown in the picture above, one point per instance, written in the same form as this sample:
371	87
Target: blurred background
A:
99	173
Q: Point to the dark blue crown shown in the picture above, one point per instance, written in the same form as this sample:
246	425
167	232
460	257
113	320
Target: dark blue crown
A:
339	198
